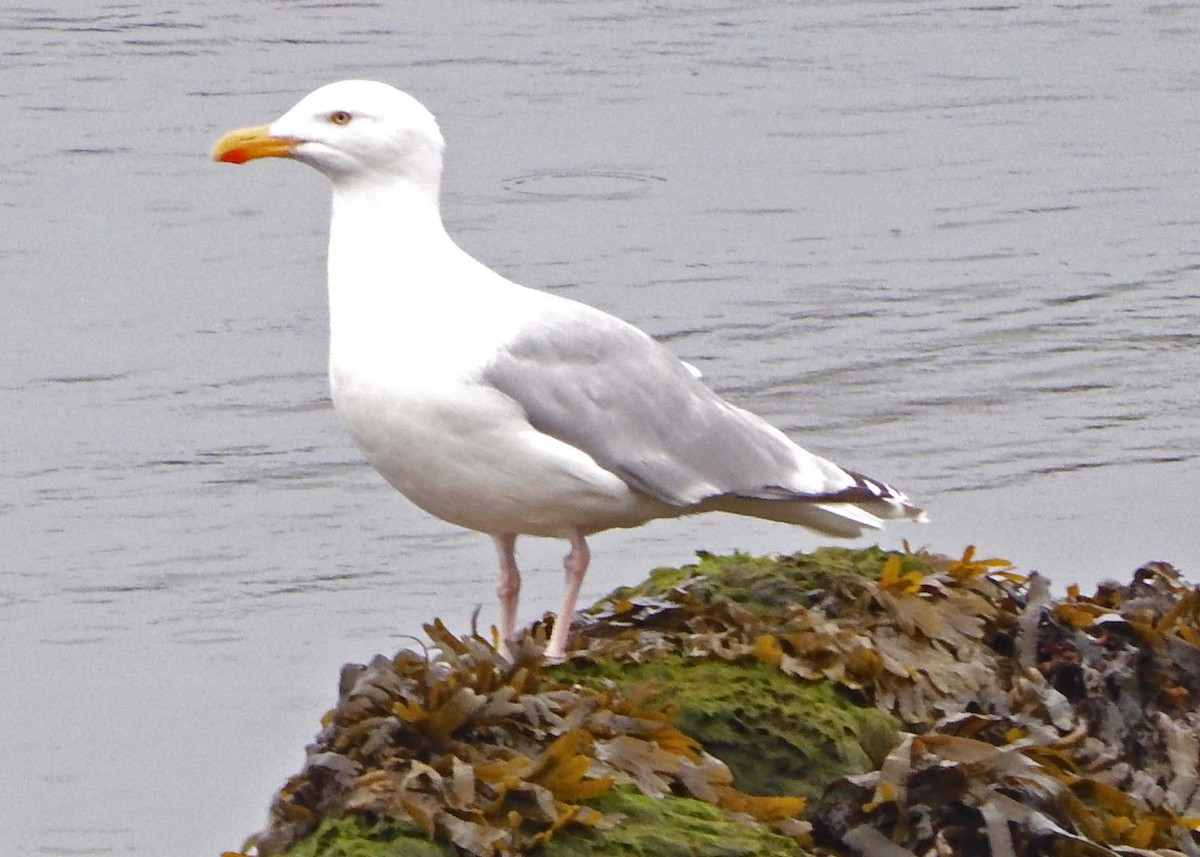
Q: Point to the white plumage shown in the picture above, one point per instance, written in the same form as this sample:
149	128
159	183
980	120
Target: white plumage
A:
512	411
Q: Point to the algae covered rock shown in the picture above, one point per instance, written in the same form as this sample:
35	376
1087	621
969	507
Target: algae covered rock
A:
460	746
778	736
650	827
840	702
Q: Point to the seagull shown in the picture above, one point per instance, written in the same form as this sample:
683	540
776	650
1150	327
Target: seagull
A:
507	410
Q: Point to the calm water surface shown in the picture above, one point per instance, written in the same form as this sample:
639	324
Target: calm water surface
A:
953	246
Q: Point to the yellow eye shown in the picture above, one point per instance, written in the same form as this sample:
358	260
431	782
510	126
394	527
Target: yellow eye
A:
340	117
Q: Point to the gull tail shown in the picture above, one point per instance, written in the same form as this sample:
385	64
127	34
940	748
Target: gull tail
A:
845	513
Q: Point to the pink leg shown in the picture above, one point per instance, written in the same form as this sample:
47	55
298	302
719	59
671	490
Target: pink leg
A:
509	588
576	565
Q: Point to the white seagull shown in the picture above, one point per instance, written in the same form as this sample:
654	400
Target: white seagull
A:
508	410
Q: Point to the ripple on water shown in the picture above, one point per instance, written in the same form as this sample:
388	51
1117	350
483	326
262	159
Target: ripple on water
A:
598	184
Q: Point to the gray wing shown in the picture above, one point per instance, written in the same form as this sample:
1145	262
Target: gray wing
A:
605	387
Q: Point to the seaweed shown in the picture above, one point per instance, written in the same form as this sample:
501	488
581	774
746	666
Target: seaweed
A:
840	702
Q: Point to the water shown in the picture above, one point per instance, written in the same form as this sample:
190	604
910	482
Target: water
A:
953	246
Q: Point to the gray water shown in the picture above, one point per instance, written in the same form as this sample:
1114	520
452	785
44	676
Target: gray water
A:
953	246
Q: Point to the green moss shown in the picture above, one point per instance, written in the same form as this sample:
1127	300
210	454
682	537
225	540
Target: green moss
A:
668	827
779	735
768	583
354	836
650	827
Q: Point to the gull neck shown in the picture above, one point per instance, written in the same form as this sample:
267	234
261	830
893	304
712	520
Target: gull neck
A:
386	239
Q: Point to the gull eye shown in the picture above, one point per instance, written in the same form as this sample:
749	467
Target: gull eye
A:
340	117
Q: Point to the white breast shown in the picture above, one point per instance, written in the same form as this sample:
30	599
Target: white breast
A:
408	345
465	453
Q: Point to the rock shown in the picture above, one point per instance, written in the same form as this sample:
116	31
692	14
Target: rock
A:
840	702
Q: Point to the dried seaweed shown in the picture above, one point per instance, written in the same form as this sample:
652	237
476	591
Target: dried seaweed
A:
492	757
1040	726
1034	726
1084	745
910	639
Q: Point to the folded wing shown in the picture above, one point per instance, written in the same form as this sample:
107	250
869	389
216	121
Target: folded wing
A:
591	380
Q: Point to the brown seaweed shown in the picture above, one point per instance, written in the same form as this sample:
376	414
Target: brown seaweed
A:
1033	725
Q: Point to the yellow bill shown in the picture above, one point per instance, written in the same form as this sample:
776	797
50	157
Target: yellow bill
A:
248	144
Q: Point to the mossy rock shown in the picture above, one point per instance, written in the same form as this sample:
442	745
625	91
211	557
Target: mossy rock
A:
650	827
355	836
777	734
669	827
768	583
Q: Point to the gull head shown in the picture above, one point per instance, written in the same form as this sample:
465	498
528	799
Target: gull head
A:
351	130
